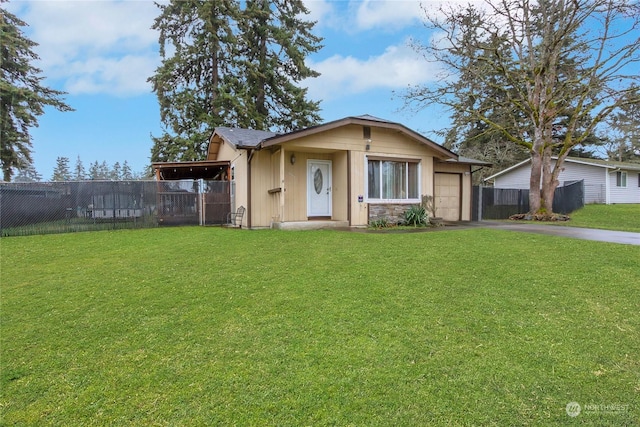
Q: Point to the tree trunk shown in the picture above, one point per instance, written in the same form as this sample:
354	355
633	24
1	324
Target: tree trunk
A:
534	182
549	183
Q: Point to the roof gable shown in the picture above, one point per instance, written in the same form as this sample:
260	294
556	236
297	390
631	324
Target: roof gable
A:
365	120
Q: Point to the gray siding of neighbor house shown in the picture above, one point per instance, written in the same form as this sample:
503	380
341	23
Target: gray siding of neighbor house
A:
594	179
515	178
628	194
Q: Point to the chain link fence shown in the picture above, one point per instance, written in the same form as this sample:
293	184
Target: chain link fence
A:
61	207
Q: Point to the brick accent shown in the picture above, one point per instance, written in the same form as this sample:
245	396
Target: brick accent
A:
393	212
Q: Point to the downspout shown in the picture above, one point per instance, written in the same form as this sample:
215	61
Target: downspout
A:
249	211
349	195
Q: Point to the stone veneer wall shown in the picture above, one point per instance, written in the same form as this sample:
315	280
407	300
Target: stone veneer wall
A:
393	212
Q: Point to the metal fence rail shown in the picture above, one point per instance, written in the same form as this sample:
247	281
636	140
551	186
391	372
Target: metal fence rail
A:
501	203
60	207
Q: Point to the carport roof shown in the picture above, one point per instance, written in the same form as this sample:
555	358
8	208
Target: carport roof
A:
206	169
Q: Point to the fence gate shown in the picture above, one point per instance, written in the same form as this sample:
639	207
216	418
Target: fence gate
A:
193	202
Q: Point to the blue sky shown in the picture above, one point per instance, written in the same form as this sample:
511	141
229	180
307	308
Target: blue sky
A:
102	52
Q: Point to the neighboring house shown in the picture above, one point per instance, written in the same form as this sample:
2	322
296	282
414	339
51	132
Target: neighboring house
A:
341	173
604	181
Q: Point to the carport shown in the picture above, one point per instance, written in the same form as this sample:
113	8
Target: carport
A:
195	192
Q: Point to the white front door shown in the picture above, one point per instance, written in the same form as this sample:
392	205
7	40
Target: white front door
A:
319	188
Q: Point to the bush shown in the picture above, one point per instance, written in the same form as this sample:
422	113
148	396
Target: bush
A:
416	215
379	223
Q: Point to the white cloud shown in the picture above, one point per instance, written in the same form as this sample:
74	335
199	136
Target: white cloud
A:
387	14
78	41
319	10
111	75
396	68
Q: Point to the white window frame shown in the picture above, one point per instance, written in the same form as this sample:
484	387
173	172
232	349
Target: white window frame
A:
621	179
418	162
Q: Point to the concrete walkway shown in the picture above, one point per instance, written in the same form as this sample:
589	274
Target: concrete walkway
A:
622	237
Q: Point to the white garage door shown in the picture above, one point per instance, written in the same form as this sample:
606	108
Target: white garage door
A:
447	195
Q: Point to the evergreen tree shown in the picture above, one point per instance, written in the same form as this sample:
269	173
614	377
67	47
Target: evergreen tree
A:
227	66
103	170
61	172
94	171
22	96
274	42
127	174
28	174
625	132
196	40
116	171
79	173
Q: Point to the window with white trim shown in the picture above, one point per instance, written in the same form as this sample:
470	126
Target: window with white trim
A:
393	180
621	179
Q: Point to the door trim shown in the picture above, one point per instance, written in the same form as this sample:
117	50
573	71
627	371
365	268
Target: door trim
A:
329	212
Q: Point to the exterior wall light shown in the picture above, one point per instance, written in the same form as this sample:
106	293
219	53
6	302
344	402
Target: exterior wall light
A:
293	159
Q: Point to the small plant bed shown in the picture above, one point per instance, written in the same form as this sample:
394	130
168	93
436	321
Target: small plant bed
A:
551	217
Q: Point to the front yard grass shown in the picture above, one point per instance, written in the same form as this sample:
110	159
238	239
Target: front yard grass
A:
622	217
210	326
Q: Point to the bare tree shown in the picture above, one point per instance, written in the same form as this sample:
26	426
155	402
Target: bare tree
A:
556	70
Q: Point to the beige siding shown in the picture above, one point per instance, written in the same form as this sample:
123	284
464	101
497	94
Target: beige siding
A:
271	168
340	186
264	176
359	212
238	160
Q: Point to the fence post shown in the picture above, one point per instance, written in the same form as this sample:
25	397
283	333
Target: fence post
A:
480	200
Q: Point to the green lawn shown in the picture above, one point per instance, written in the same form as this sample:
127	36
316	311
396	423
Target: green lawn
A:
210	326
608	217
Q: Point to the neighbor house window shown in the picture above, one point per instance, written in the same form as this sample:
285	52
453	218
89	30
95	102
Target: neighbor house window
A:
621	179
392	180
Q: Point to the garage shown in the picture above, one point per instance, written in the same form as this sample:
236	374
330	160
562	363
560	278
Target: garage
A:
447	195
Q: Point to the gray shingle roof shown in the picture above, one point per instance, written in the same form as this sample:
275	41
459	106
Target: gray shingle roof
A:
244	137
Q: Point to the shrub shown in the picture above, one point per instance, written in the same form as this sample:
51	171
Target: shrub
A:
379	223
416	215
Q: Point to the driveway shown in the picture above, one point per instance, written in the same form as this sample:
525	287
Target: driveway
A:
622	237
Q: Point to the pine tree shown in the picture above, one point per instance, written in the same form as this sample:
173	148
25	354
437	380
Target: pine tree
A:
79	173
116	171
94	171
227	66
274	42
22	96
61	172
625	131
103	170
196	40
127	174
28	174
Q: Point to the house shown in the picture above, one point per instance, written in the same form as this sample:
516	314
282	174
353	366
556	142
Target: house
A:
604	181
341	173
